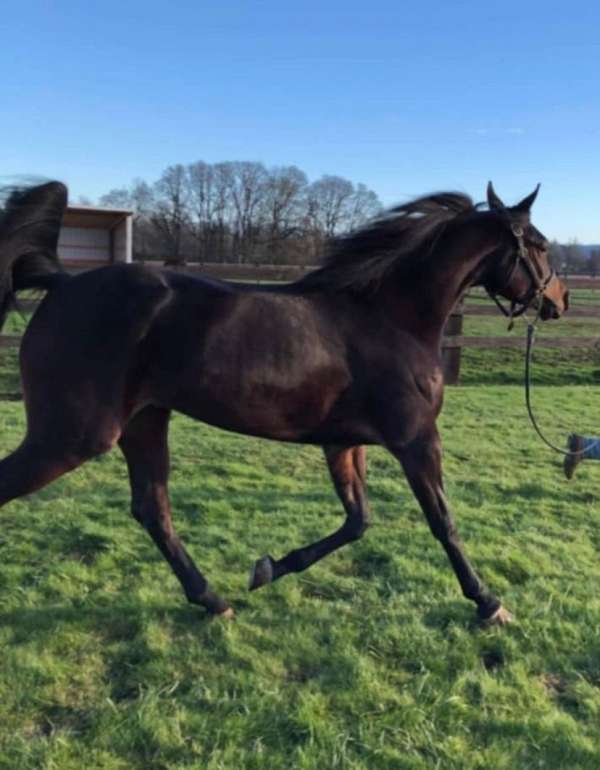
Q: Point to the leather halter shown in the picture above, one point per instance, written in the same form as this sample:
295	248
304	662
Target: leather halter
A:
539	282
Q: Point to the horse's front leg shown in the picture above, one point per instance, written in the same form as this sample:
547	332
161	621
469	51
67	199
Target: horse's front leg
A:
347	466
422	463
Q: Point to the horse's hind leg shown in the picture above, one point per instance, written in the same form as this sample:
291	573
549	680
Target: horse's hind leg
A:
32	466
58	440
144	444
347	466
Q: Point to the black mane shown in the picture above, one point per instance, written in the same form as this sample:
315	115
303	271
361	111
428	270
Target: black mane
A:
360	260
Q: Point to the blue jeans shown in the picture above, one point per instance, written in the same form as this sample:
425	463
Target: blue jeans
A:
591	448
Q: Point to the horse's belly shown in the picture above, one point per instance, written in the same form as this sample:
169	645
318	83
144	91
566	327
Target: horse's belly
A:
263	410
303	411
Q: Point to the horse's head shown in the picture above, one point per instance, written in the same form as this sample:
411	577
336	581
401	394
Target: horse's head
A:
519	269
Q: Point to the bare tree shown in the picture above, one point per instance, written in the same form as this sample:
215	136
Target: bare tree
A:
240	211
204	206
247	181
284	207
594	262
335	206
117	198
556	256
574	257
328	204
146	240
170	213
362	205
140	199
224	209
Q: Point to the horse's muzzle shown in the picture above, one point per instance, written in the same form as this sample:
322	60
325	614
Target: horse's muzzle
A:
554	303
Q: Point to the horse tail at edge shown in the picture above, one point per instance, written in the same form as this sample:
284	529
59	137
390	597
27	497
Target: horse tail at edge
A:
29	228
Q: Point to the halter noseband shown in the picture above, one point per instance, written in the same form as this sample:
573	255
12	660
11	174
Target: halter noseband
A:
538	283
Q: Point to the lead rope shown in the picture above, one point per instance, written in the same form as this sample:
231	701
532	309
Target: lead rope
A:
530	341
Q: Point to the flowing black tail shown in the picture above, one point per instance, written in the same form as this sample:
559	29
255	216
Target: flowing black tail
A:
29	227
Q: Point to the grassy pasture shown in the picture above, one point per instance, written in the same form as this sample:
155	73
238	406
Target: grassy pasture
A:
369	660
551	366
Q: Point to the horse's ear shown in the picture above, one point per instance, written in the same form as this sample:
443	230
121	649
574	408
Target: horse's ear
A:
524	205
494	201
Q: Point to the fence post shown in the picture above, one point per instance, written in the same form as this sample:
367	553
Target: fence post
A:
451	356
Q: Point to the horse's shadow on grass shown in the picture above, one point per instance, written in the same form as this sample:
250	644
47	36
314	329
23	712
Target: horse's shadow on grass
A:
120	638
447	612
119	622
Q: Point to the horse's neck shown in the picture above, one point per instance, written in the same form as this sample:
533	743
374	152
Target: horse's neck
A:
424	302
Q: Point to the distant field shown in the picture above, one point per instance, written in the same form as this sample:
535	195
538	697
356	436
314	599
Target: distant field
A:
370	660
559	366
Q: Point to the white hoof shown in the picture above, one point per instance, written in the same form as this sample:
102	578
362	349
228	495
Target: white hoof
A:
501	617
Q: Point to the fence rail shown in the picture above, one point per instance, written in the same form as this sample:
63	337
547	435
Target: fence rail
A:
582	310
458	341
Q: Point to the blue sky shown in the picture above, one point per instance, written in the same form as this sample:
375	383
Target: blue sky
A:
405	97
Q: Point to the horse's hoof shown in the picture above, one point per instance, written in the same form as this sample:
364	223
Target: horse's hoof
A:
228	614
501	617
261	573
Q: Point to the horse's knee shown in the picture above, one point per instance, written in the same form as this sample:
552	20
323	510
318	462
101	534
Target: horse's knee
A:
145	516
443	529
152	517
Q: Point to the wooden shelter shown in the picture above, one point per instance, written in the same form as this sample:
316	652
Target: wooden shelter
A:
92	236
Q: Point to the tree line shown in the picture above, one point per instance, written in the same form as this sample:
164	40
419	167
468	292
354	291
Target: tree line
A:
240	211
572	258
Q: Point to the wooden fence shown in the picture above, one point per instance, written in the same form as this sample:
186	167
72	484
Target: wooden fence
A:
454	340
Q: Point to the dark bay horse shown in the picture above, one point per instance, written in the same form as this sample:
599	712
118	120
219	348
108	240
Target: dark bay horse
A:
347	356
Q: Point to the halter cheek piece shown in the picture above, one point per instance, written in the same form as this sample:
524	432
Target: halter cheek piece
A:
539	282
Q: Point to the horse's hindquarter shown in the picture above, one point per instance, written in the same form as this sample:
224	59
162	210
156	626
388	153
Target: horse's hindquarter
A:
267	364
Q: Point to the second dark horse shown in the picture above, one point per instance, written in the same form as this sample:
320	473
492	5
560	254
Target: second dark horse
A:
345	357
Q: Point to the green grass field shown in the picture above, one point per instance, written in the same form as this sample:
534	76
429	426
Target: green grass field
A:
371	660
555	366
